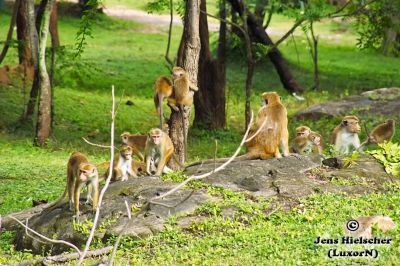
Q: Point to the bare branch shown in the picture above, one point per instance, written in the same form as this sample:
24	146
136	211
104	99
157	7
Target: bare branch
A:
45	237
97	214
169	61
96	145
111	261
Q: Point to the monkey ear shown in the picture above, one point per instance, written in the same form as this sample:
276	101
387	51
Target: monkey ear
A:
344	122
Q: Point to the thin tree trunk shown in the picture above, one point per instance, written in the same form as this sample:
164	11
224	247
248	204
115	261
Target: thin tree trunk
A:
260	35
314	54
34	43
25	38
55	43
210	99
10	31
43	126
250	68
189	60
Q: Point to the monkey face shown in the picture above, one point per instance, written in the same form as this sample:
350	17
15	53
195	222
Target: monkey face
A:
124	137
155	135
87	172
303	131
178	72
126	152
351	124
315	139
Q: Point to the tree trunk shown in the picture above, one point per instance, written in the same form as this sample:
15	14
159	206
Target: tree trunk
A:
260	35
210	99
55	43
10	31
34	45
43	126
27	40
188	59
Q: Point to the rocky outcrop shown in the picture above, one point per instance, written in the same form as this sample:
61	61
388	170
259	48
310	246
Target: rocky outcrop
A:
286	179
384	101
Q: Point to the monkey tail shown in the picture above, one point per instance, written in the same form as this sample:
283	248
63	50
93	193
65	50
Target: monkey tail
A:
181	109
57	202
160	109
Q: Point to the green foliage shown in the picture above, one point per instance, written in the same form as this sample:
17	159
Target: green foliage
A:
373	23
389	155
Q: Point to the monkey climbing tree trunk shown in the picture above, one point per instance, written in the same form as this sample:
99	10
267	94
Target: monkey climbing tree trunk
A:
260	35
188	59
43	126
210	99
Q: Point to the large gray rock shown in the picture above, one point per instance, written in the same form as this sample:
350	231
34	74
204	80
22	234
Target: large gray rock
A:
384	101
59	221
286	179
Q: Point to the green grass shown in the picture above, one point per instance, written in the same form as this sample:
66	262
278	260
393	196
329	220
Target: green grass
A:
130	56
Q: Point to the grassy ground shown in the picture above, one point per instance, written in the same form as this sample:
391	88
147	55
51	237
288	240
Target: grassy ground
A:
130	56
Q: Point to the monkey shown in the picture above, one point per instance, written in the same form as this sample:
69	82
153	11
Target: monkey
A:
80	173
122	165
307	141
162	89
139	167
346	134
136	141
159	148
272	117
183	91
381	133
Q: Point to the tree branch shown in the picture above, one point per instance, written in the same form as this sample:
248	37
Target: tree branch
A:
97	214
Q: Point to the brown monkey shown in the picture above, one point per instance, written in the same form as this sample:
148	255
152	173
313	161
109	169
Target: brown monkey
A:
381	133
159	149
181	89
136	142
139	167
274	132
307	141
122	166
346	134
80	173
162	89
182	96
365	224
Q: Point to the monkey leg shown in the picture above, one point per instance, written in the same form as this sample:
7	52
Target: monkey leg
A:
89	198
77	193
172	104
285	143
277	154
95	193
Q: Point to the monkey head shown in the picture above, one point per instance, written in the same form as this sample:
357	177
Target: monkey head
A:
125	137
126	152
390	122
271	97
351	123
303	131
315	138
178	72
87	171
155	135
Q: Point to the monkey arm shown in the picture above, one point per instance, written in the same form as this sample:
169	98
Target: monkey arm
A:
148	160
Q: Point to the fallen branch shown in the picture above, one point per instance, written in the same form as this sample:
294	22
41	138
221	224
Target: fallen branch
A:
65	257
56	241
96	145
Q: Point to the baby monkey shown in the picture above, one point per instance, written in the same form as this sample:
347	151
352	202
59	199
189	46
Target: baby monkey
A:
122	166
307	141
